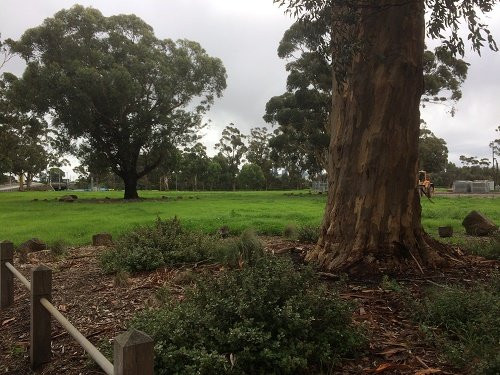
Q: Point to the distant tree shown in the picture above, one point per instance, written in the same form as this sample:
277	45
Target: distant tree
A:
232	147
110	82
214	173
251	177
194	164
284	155
167	170
484	163
302	112
432	151
259	151
56	174
469	161
225	177
23	137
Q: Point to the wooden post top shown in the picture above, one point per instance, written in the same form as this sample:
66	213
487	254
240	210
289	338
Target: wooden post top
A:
6	251
41	280
132	337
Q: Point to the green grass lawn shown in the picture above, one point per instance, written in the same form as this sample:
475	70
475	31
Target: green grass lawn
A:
22	218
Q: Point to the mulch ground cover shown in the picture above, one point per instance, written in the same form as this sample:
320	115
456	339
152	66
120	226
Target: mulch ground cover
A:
100	308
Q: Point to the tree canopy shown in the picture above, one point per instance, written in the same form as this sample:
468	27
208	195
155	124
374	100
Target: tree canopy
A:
432	151
23	137
232	147
110	82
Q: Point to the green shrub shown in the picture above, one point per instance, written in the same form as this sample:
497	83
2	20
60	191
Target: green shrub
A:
290	231
390	284
466	325
308	233
150	247
264	319
167	243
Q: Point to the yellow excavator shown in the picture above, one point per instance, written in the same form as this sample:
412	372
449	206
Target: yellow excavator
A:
425	186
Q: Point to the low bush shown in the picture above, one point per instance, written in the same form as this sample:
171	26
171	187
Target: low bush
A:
465	323
390	284
308	233
168	243
150	247
262	319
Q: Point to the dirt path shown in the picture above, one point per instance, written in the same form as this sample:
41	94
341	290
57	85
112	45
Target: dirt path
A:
100	310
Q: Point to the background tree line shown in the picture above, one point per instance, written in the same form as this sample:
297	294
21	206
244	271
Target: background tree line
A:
122	101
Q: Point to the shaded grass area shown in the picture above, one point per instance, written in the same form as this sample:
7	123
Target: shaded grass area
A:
464	323
267	212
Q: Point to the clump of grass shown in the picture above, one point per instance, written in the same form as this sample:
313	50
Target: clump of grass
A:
106	349
58	248
121	279
243	250
234	213
17	351
465	323
290	231
390	284
485	247
262	319
308	233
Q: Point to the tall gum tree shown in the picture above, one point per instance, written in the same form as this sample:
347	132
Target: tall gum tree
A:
372	221
111	84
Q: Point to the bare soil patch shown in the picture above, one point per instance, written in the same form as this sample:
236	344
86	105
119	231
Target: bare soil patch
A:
100	310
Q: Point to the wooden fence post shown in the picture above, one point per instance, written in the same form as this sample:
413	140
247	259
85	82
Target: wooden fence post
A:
6	277
133	354
41	287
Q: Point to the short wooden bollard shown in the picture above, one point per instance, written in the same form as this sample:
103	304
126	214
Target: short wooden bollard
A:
6	277
41	287
133	354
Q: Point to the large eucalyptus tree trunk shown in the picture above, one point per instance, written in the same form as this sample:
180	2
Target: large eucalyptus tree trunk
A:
372	218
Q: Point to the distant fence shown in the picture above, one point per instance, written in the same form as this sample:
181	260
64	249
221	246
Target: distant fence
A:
320	187
132	352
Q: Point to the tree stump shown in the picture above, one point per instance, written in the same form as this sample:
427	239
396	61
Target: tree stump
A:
32	245
445	232
477	224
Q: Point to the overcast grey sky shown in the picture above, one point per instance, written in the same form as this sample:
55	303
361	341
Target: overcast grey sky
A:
245	35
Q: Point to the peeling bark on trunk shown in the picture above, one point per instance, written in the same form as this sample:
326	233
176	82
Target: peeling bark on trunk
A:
372	218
